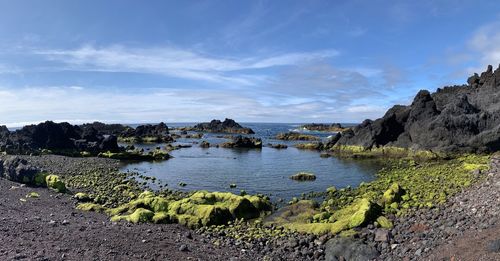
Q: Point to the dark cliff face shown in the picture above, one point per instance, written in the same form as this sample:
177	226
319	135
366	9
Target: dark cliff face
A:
453	119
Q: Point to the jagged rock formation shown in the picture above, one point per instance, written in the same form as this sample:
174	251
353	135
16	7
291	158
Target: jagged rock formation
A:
334	127
147	133
217	126
62	138
105	129
243	142
454	119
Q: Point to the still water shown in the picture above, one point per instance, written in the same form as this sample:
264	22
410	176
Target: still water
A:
265	170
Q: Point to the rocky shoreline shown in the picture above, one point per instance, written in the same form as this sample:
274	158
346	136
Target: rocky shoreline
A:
417	236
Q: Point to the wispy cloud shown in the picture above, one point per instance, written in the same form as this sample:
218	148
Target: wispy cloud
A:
175	62
486	43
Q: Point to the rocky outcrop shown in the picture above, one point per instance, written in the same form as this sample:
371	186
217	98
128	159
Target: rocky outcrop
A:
454	119
243	142
147	133
59	138
295	136
217	126
105	129
334	127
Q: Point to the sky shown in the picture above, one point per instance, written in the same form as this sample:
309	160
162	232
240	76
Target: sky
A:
254	61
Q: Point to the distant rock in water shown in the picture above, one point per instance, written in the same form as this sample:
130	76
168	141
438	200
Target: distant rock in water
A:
334	127
243	142
454	119
295	136
217	126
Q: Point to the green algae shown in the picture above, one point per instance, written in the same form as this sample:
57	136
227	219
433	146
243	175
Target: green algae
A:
90	207
55	183
384	222
82	197
383	152
136	155
33	195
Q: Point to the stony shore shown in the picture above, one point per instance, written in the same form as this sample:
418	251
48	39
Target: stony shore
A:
50	228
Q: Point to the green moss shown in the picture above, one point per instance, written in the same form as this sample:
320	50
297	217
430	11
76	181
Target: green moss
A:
384	222
309	146
80	196
55	183
136	155
384	151
162	218
140	215
33	195
90	207
39	179
363	215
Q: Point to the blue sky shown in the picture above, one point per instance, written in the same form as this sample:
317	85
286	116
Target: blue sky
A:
254	61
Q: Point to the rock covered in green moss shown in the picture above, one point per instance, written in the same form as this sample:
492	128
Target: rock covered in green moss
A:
303	176
140	215
384	222
366	212
82	197
55	183
200	209
393	194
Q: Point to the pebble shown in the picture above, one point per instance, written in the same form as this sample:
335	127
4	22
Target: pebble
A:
183	248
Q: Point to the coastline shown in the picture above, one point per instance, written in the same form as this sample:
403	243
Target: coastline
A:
403	240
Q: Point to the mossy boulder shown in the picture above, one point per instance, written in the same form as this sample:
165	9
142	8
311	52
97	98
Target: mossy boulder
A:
393	194
55	183
303	176
140	215
384	222
200	209
90	207
82	197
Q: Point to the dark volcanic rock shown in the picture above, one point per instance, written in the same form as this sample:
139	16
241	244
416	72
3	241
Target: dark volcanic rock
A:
105	129
156	133
61	138
243	142
334	127
217	126
454	119
18	170
349	249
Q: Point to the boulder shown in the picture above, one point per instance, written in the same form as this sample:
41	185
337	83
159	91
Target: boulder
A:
19	170
243	142
303	176
55	183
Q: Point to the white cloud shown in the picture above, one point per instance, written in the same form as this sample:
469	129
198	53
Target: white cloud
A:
486	42
175	62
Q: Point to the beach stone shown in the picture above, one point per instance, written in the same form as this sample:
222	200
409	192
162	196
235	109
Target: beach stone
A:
349	249
494	246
